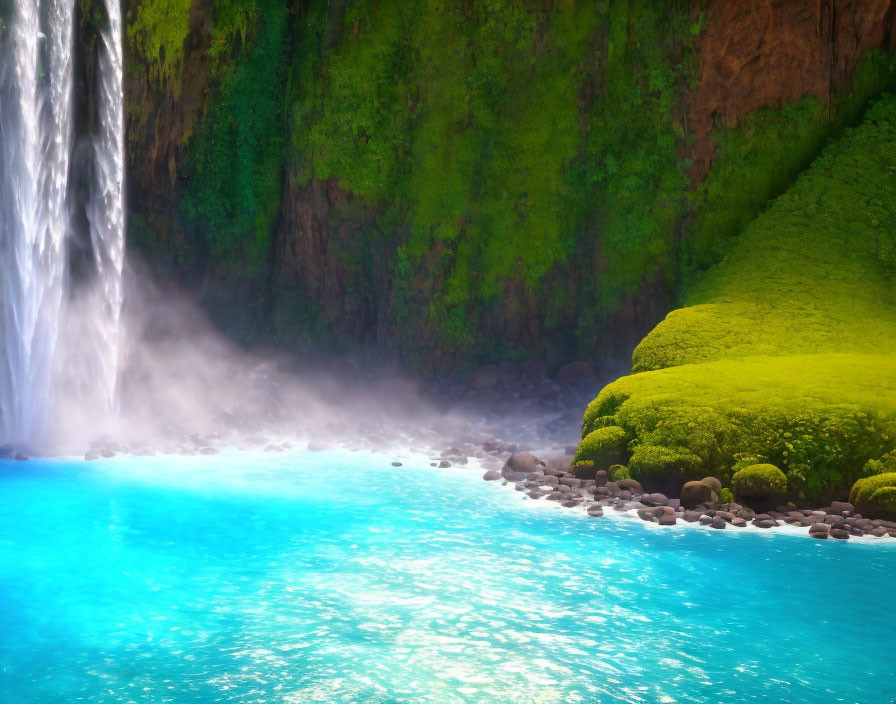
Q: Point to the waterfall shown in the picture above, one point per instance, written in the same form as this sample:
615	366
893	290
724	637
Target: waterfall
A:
36	141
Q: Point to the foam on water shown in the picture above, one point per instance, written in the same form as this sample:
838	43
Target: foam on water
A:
334	577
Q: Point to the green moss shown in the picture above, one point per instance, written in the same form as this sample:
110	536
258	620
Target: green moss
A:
783	353
235	161
157	35
875	497
603	447
759	481
617	472
654	461
726	496
488	135
757	161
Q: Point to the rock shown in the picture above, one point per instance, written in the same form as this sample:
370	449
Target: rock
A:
91	455
879	532
445	464
719	523
208	451
508	372
819	528
107	453
20	457
492	475
714	484
571	482
841	506
601	478
631	485
647	514
839	534
654	499
519	465
534	372
574	372
738	522
484	377
572	504
557	496
692	516
765	523
598	512
667	520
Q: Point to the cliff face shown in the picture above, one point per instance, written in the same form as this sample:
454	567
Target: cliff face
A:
457	184
756	54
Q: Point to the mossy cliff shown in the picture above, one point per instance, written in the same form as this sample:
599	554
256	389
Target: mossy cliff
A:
783	351
456	182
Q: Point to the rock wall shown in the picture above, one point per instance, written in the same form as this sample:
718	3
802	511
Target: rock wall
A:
331	272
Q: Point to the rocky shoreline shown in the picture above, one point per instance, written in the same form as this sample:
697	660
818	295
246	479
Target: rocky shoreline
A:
554	481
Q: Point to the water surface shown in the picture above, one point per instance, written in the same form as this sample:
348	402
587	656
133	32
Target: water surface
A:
337	578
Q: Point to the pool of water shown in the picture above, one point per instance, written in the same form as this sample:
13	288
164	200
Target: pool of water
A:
335	577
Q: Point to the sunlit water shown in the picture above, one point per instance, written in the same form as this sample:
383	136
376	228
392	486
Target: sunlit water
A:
338	578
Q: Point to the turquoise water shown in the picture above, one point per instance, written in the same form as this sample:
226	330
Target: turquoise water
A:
338	578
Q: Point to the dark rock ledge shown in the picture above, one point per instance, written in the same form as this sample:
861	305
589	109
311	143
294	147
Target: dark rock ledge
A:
554	481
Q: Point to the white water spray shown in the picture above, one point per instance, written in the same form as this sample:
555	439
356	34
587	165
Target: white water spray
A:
36	128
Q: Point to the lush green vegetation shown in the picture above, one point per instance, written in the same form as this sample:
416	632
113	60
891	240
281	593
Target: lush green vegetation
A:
783	353
757	161
487	135
157	34
875	496
235	161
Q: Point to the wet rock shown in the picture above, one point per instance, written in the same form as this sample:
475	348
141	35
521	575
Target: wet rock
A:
572	504
879	532
484	377
91	455
570	482
445	464
765	523
631	485
106	452
519	465
557	496
574	373
492	475
667	520
819	529
842	506
839	534
719	523
714	484
508	372
654	499
738	522
692	516
598	512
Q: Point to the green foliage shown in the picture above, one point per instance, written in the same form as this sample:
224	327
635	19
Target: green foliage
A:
488	135
157	35
875	497
759	481
885	464
234	164
603	447
784	353
617	472
726	496
757	161
654	461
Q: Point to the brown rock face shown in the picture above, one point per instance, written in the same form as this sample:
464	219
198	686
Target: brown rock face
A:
768	52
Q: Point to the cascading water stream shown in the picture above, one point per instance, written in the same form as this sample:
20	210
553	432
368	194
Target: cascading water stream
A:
36	135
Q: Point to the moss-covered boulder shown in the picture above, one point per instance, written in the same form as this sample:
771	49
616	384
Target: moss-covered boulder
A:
603	447
759	485
875	497
664	469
